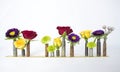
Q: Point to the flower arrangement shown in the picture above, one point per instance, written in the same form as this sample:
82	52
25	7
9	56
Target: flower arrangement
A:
86	34
22	40
98	34
73	39
107	30
45	41
13	34
57	43
19	42
64	31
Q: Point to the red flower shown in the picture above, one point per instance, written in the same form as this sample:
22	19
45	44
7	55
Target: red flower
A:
62	29
29	34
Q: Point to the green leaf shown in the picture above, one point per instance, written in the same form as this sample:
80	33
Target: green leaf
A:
46	39
91	44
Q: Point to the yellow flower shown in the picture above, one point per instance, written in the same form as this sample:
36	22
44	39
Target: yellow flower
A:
85	34
57	42
20	43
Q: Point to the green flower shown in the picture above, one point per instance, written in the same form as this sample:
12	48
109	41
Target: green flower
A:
51	48
91	44
46	39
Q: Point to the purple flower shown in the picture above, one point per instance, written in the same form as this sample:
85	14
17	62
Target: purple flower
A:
98	33
12	33
73	38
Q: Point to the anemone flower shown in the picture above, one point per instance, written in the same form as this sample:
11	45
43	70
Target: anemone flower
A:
73	38
45	40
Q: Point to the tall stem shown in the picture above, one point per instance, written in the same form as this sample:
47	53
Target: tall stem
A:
46	52
98	47
71	50
86	48
28	49
63	52
14	49
104	47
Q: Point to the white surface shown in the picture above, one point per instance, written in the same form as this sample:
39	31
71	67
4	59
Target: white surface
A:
43	16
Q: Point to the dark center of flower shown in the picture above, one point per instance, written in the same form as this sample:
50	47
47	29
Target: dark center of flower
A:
12	33
74	37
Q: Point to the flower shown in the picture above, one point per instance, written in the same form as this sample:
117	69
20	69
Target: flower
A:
110	29
91	44
98	33
85	34
51	48
104	26
12	33
20	43
62	29
46	39
29	34
73	38
57	42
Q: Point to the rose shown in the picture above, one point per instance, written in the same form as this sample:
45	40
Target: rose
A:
62	29
29	34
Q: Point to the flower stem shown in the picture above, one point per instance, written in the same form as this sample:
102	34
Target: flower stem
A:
86	48
14	49
46	52
63	52
28	49
72	50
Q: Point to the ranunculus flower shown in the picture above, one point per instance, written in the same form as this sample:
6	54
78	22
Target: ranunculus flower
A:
12	33
73	38
85	34
29	34
57	42
62	29
20	43
98	33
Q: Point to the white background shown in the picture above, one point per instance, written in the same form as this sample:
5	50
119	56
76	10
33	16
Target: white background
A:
43	16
